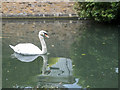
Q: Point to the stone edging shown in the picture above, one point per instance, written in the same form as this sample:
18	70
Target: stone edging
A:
21	15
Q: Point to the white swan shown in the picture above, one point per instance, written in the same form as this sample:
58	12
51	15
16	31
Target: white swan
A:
31	49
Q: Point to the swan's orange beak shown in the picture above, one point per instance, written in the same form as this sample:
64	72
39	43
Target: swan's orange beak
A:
46	36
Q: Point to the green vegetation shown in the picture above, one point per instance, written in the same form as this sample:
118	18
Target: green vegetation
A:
99	11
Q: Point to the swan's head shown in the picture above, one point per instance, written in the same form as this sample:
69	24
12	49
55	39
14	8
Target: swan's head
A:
43	33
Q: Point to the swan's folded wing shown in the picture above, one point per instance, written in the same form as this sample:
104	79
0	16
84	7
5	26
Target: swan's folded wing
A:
27	48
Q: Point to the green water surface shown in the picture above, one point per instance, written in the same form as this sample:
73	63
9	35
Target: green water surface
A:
92	48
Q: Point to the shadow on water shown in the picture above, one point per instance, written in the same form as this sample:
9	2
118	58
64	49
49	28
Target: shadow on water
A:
81	54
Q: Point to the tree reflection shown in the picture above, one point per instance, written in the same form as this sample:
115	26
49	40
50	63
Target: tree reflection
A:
95	57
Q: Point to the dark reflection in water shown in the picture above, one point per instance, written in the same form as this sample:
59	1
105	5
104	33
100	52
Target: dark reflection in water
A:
81	54
96	50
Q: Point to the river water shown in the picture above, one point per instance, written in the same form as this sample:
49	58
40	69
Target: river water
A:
81	54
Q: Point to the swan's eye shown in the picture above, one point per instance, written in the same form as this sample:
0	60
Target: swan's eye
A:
45	33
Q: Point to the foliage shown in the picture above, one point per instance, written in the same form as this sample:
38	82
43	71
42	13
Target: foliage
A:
95	57
99	11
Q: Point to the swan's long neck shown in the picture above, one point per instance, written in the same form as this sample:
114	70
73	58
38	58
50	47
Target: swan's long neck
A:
43	44
45	60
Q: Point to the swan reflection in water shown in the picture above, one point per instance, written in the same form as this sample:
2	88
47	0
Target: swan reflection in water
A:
24	58
58	72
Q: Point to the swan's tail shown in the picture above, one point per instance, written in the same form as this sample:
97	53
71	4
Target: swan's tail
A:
11	47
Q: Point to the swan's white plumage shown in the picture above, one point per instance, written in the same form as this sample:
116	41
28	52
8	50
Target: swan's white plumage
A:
26	49
29	48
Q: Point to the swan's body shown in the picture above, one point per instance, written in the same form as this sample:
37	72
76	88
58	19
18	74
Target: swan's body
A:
26	49
31	49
